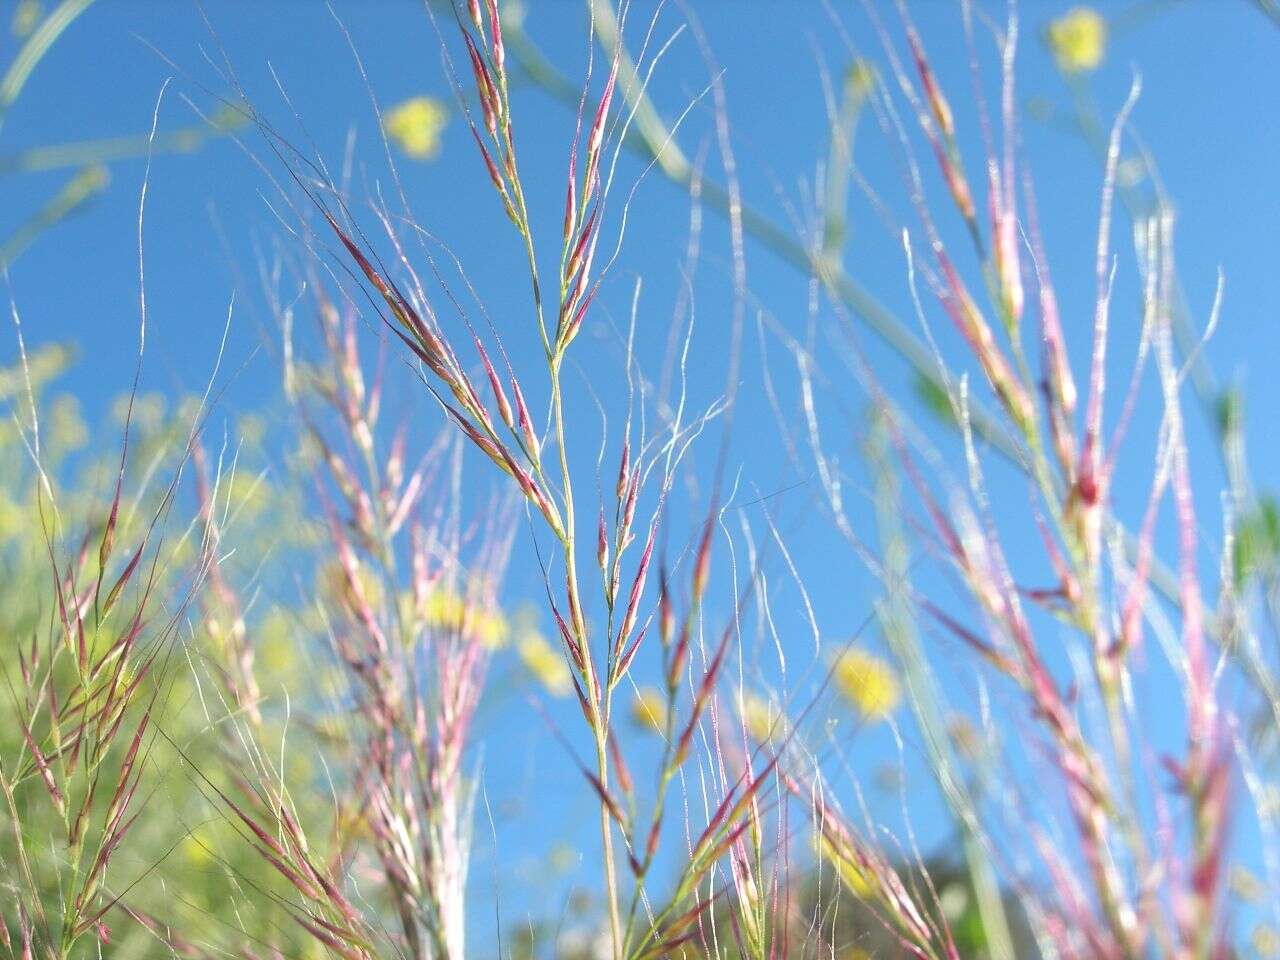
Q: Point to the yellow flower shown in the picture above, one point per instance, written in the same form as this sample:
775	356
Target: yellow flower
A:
1246	886
247	494
43	365
861	77
251	428
13	522
649	710
448	610
545	663
353	824
277	644
25	17
760	718
338	585
868	683
415	126
1265	941
1078	40
147	413
67	430
196	848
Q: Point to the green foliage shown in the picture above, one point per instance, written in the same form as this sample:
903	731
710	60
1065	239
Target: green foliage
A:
50	510
1257	541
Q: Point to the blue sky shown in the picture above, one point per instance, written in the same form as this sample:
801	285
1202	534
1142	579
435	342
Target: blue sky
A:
1207	69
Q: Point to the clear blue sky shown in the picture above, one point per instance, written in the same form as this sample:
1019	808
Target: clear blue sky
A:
1207	113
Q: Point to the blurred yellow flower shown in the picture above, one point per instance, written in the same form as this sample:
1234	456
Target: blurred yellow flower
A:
25	17
649	710
13	521
760	718
66	429
861	77
338	586
1265	941
415	126
146	412
1246	886
43	364
251	428
353	824
195	848
246	494
1078	39
448	610
278	640
868	683
545	663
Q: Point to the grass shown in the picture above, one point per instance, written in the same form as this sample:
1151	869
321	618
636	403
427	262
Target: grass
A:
194	767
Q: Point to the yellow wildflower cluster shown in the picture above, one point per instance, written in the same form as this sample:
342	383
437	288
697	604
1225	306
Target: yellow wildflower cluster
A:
447	610
649	710
1246	886
43	365
861	77
197	846
65	428
760	718
1078	40
868	683
415	126
25	17
366	588
277	641
545	663
353	823
1265	941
